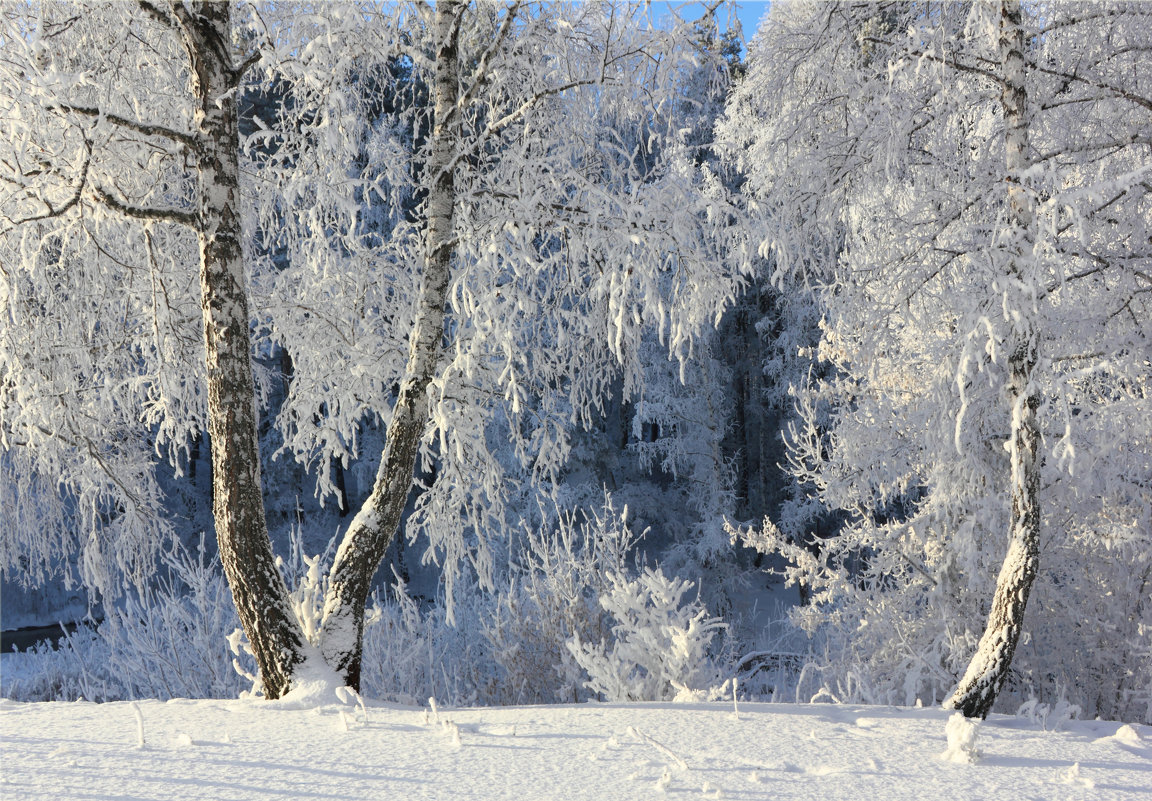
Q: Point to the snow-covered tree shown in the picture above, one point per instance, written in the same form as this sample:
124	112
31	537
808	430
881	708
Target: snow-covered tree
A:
579	224
475	273
967	186
89	130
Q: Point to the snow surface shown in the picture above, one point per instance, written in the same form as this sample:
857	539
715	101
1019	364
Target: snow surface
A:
246	749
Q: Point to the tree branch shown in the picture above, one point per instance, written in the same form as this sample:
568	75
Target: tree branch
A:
1089	147
188	218
1139	100
156	13
482	65
517	114
248	63
68	204
147	129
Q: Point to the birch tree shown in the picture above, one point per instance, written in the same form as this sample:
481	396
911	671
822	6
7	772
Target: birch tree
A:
989	667
945	178
579	223
207	201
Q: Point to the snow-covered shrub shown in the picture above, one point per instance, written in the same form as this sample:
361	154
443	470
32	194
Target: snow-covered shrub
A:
412	652
898	626
166	641
659	645
1049	718
552	598
44	673
307	580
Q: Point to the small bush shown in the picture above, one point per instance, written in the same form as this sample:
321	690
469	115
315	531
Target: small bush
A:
659	648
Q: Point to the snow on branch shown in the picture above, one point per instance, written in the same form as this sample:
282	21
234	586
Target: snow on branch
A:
147	129
189	218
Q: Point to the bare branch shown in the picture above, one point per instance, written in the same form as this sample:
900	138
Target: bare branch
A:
1090	147
1078	20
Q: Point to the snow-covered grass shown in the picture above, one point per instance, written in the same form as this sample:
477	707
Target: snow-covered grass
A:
247	749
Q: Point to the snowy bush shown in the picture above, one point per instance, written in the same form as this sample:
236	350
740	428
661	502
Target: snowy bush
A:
169	642
307	580
1049	718
551	598
659	648
513	643
44	673
412	652
166	641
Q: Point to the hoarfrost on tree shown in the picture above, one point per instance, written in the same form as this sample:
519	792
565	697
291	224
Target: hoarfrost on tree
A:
977	266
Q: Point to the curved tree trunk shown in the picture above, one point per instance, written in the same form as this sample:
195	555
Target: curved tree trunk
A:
988	669
372	530
238	506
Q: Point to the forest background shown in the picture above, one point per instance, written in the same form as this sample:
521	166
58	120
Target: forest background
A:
747	368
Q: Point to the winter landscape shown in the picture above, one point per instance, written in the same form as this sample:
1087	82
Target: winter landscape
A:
576	399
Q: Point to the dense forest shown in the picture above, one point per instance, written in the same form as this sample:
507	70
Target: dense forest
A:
537	352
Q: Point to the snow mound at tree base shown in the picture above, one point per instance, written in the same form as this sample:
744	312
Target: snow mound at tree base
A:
314	684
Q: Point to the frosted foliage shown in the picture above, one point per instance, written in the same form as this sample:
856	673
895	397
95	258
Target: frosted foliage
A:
584	234
874	138
585	228
167	641
100	354
551	598
659	650
686	407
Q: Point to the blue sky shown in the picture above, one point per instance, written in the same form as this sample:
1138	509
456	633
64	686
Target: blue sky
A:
748	13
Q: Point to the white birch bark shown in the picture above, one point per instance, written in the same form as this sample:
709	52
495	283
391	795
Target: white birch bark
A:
989	667
374	526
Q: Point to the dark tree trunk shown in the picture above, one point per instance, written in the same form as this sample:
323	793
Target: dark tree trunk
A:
238	505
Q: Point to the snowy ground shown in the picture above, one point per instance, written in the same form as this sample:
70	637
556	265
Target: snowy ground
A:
247	750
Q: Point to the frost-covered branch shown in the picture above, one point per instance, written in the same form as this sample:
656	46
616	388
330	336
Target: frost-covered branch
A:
181	216
1095	83
71	202
479	74
147	129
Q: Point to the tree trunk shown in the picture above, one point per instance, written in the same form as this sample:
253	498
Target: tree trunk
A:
372	530
238	506
985	675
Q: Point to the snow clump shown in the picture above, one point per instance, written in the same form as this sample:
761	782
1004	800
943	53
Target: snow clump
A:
961	740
